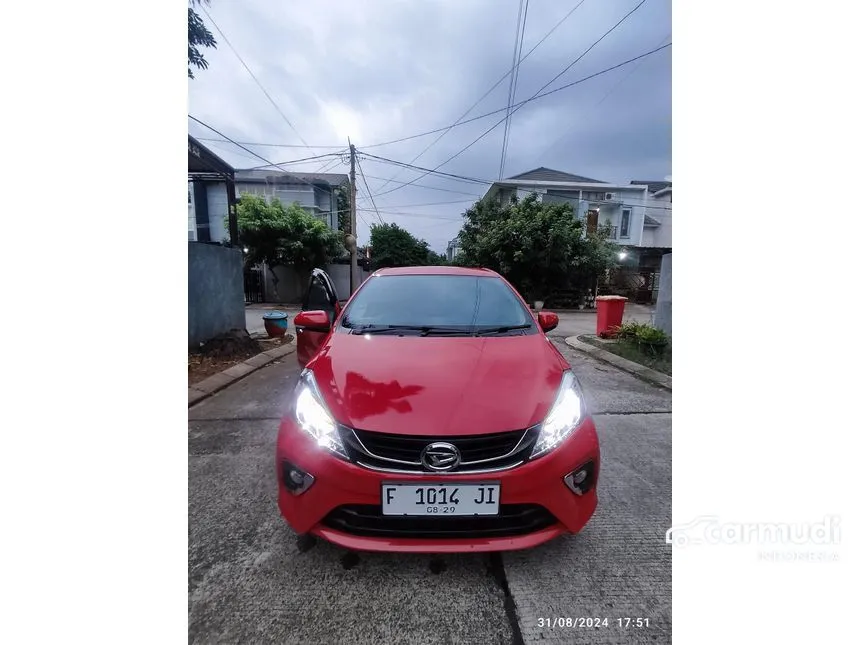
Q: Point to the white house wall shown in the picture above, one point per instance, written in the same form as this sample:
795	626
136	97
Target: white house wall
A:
610	213
662	236
315	200
216	196
648	237
323	202
523	193
297	194
637	222
192	220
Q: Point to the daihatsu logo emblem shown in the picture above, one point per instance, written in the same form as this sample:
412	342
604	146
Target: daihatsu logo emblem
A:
440	456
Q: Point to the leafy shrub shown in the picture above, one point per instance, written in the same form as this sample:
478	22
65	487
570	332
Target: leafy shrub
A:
629	330
651	335
650	339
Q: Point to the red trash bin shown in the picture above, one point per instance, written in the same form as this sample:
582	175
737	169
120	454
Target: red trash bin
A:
610	312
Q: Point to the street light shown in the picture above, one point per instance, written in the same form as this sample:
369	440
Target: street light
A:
622	255
245	250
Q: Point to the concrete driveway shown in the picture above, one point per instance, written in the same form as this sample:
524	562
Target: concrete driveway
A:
250	581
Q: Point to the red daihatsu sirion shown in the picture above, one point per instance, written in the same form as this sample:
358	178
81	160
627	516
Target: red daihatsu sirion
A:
433	415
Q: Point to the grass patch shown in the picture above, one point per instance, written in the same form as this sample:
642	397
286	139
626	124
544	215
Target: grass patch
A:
630	350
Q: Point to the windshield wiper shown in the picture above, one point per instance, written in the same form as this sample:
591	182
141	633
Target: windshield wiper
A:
422	330
486	331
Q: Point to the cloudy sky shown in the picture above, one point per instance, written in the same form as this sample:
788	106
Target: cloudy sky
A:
378	70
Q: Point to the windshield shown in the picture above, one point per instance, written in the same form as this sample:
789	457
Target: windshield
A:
447	301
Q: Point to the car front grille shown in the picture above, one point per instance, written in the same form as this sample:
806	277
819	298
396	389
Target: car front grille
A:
402	453
367	520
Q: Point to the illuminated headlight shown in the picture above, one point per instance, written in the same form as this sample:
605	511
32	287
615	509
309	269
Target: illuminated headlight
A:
564	417
313	416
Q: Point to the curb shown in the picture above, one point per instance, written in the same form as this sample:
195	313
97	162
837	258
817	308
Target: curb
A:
645	373
217	382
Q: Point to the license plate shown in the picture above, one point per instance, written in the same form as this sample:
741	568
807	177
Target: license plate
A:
440	499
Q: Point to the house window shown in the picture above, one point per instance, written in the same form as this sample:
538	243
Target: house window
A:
625	222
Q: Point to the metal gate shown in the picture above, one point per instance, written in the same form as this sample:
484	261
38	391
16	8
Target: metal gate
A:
253	284
639	285
647	292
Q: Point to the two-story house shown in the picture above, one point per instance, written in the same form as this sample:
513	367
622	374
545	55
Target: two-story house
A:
638	214
453	249
315	192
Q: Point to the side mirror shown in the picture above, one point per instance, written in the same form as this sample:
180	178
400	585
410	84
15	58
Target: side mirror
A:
313	321
547	320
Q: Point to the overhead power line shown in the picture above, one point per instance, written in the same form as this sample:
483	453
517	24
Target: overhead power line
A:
254	76
515	106
406	214
369	194
455	201
557	140
460	120
420	169
518	104
327	167
470	179
294	161
445	175
261	158
512	89
558	89
231	150
274	145
444	190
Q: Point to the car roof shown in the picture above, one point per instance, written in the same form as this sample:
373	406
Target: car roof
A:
438	270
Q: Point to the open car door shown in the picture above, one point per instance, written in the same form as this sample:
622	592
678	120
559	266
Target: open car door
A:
312	327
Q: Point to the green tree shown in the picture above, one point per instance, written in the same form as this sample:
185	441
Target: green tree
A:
282	236
436	259
538	247
392	246
342	208
198	36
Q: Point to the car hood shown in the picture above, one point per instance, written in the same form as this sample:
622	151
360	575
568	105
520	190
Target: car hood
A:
438	386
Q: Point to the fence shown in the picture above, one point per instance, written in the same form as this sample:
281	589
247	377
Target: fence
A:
291	287
215	302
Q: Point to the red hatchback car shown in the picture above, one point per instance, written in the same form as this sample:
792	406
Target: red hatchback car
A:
433	415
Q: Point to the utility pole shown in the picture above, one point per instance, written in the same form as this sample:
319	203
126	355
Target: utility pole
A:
353	229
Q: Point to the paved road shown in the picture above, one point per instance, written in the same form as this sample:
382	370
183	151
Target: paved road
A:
249	580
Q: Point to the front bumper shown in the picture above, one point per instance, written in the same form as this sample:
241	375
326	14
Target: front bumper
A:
537	488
